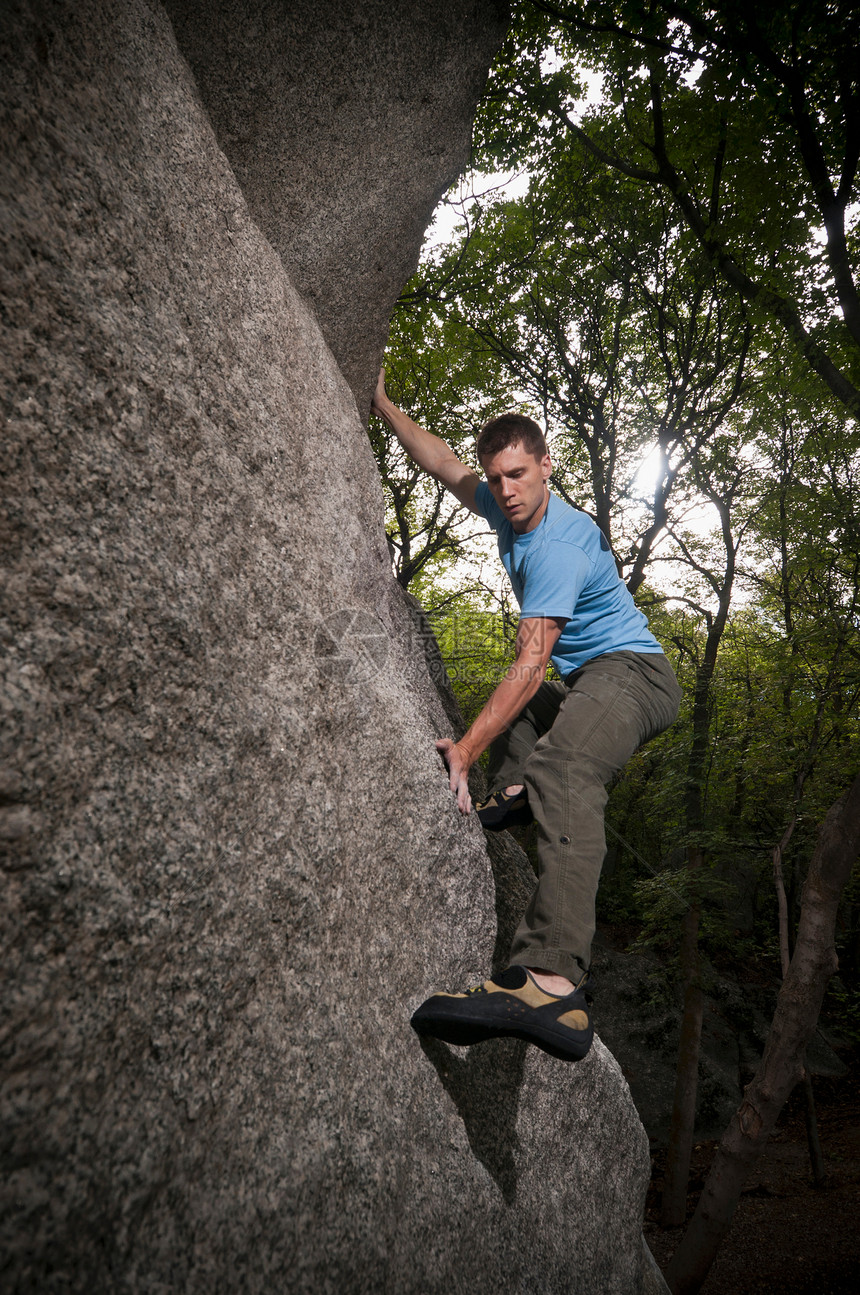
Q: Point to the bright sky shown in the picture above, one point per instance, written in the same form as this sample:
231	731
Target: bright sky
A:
451	210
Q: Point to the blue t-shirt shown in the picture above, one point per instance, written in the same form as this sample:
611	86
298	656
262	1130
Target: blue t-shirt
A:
564	569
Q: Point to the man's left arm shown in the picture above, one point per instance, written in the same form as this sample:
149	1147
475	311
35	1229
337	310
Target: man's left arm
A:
536	638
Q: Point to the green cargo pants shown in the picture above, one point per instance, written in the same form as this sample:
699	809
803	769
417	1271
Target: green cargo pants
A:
566	746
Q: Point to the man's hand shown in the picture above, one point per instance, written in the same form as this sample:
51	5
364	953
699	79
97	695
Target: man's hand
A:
458	770
379	396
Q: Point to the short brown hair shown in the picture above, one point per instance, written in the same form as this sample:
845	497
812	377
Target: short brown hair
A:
511	429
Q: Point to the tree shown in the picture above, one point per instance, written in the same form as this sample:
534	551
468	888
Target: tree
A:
746	116
610	326
453	391
799	1004
723	481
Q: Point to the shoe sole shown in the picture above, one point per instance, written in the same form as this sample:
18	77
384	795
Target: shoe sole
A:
464	1032
512	820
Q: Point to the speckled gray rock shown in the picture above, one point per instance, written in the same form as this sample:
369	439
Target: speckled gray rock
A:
231	863
344	123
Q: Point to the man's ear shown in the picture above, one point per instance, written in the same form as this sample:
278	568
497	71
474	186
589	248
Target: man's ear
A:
546	467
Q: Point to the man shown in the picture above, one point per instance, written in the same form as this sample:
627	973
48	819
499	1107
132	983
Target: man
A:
554	746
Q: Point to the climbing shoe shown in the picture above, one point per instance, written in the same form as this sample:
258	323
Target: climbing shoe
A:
511	1003
502	811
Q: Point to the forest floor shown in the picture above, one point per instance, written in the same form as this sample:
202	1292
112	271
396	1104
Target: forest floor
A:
787	1236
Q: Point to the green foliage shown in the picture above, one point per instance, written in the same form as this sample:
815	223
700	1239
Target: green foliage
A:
588	303
444	386
745	117
842	1006
477	645
663	900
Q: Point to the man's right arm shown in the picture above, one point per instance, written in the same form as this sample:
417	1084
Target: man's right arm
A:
427	450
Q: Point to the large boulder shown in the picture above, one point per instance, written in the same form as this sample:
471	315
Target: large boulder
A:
232	864
344	124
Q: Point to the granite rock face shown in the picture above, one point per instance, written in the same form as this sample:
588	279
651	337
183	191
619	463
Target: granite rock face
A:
344	121
231	863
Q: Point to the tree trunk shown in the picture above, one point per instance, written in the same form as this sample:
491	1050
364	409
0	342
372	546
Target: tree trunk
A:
781	901
673	1210
797	1009
813	1142
674	1205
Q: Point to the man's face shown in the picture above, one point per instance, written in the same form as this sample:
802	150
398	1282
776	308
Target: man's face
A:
517	482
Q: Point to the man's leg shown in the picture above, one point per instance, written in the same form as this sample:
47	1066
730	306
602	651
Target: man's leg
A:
612	708
614	704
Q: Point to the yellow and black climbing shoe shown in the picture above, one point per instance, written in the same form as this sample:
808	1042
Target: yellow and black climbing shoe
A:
511	1003
502	811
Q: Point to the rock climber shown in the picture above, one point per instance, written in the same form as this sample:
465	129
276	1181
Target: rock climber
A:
554	745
